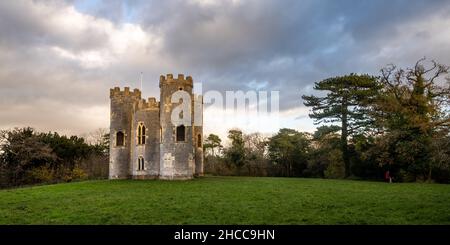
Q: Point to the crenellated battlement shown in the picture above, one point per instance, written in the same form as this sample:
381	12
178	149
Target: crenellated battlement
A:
151	103
169	78
116	92
145	143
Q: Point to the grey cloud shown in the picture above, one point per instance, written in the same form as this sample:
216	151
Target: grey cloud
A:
323	38
274	45
23	25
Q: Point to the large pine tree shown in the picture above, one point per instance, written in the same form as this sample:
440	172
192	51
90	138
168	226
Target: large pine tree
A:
346	102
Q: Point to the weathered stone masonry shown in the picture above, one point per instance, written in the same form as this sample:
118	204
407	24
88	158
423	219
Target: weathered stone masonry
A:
145	144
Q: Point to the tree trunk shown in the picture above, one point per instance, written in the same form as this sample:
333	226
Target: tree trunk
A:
344	136
290	168
429	174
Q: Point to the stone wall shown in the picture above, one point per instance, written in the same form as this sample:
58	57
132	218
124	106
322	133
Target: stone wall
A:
177	158
147	112
163	155
122	106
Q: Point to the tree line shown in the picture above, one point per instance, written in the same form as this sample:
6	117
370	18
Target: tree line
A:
398	121
367	125
30	157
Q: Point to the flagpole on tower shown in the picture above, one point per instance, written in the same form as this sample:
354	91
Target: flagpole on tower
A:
142	75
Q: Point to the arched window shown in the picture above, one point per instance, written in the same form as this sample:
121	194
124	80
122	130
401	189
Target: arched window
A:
120	138
141	134
199	141
141	163
181	133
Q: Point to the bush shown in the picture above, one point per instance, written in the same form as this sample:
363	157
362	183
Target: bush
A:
42	174
336	168
78	173
406	176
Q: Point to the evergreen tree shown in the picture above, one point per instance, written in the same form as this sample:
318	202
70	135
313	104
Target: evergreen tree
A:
347	102
289	149
212	142
236	152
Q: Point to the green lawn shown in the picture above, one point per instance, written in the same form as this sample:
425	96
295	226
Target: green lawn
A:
227	200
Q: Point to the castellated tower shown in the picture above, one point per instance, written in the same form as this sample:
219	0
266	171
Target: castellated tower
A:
145	143
122	106
177	146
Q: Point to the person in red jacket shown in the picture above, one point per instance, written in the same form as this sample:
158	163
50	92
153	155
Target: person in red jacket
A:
387	177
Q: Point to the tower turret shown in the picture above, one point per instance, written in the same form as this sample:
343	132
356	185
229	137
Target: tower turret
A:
121	117
177	159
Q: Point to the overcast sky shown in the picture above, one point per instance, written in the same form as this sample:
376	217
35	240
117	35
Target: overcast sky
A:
58	59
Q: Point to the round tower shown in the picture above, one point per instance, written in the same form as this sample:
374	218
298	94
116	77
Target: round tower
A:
122	109
177	152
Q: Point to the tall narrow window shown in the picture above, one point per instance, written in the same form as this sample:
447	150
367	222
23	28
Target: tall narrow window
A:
199	141
141	163
180	133
141	134
120	138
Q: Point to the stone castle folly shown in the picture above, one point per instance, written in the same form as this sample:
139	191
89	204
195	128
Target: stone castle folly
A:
145	144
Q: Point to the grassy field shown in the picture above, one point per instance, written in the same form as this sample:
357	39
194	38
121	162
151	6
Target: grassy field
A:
227	200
